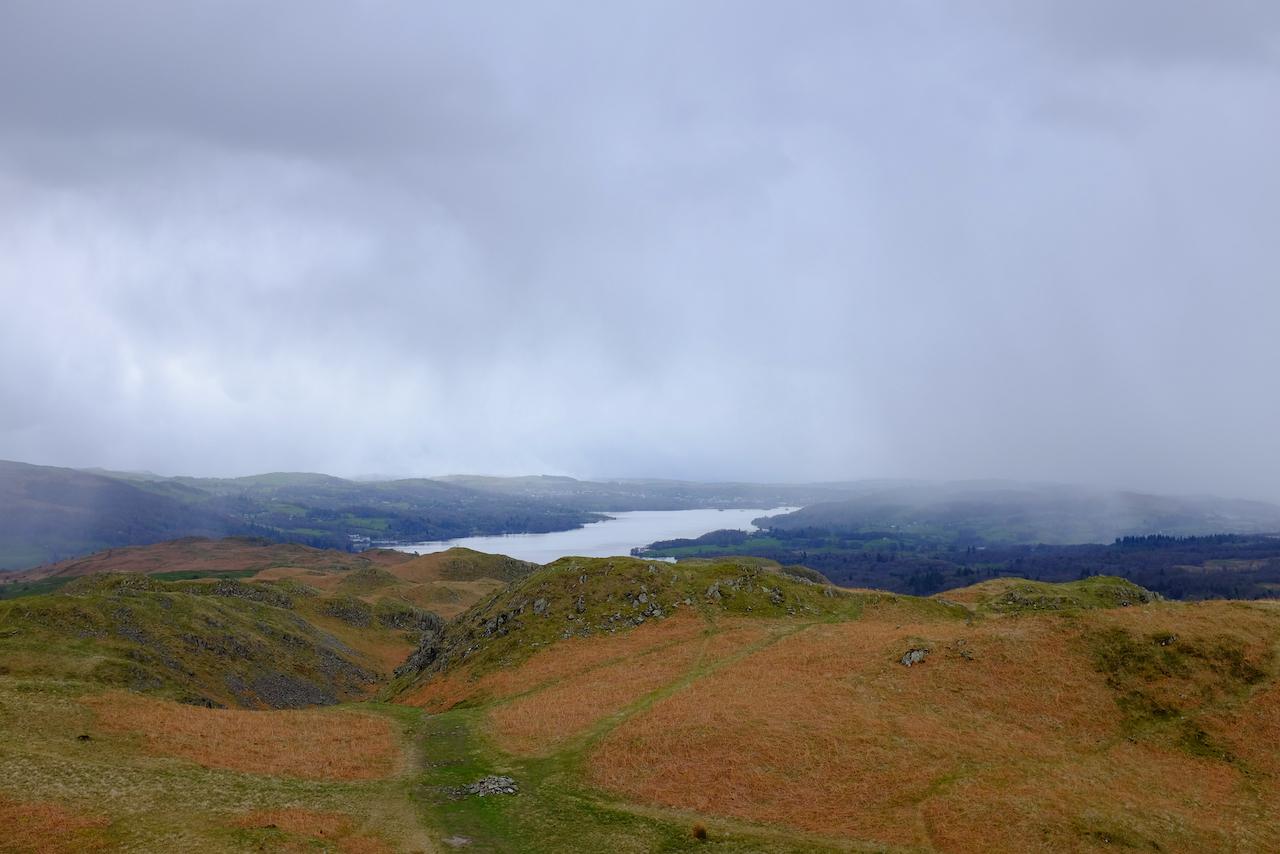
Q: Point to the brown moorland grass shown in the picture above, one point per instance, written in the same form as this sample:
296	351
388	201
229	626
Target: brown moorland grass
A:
446	598
460	564
27	826
315	828
1006	738
387	648
1252	731
559	661
309	744
540	722
204	555
1127	796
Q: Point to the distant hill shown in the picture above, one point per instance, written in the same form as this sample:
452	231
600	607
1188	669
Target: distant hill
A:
49	514
986	513
205	556
640	494
444	583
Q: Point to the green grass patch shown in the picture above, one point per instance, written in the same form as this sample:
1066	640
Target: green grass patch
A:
193	574
1162	682
552	812
18	589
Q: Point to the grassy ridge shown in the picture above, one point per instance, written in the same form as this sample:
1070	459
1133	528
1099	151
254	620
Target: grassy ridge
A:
225	642
582	597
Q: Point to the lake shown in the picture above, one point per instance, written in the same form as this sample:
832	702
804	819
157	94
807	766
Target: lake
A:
615	536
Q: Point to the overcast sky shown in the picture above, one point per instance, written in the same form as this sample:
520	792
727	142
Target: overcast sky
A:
782	241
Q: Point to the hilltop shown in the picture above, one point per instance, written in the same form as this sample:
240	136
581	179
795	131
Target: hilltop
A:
586	597
220	642
445	583
209	556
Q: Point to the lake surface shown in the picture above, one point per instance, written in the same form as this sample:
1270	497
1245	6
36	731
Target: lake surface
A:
616	536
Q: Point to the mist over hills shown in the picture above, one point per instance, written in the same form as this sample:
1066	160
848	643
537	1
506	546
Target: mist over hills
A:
1001	512
49	514
659	494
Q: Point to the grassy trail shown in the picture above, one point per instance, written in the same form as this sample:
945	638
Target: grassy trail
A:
555	811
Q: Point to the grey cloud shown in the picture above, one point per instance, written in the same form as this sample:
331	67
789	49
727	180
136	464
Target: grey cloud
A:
703	240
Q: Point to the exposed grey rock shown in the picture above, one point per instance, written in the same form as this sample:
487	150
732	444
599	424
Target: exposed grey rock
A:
540	607
429	649
285	691
913	656
350	610
493	784
232	589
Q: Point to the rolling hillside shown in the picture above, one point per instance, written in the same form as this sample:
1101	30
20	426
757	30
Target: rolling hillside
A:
632	705
445	583
774	715
221	642
209	556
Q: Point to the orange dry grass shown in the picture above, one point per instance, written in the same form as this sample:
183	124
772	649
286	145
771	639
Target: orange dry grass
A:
540	722
1253	731
563	659
46	827
448	598
1004	739
388	649
315	827
213	556
310	744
